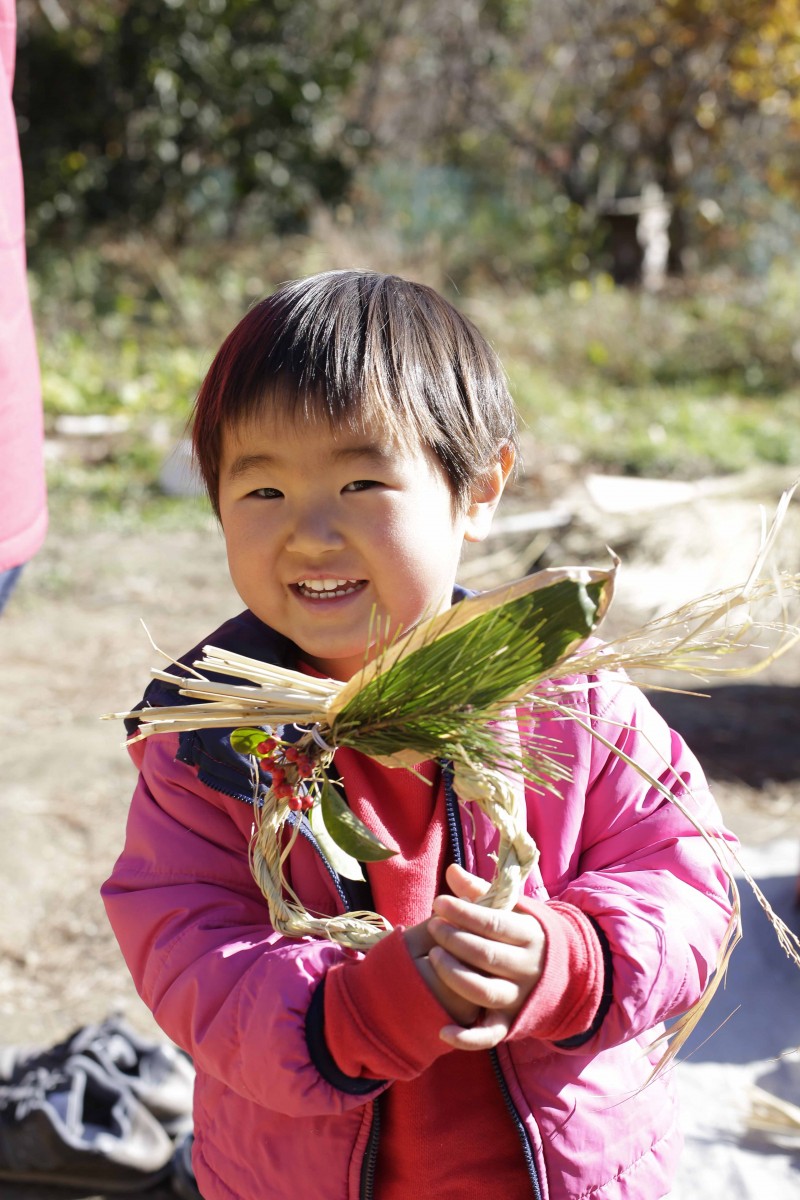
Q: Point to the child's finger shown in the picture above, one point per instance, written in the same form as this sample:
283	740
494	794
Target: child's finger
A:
485	991
464	884
418	939
457	1008
497	924
502	959
483	1036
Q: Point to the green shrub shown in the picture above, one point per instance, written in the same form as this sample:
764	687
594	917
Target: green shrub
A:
681	384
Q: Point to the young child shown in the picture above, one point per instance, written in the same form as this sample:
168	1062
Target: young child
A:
353	430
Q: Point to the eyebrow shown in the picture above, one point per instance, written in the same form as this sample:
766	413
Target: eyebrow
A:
245	463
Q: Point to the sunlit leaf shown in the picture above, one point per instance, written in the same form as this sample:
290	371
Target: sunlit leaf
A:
246	741
343	863
440	687
347	831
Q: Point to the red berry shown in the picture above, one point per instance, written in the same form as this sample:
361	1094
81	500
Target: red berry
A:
290	753
294	802
265	748
305	767
278	777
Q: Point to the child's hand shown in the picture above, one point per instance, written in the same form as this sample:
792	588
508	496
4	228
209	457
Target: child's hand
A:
420	942
489	957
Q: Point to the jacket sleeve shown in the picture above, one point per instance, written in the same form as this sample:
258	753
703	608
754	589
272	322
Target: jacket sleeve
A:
640	868
194	930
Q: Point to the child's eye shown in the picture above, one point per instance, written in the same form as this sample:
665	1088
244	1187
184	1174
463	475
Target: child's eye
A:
361	485
266	493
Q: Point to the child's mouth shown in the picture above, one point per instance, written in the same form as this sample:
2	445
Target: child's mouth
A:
328	589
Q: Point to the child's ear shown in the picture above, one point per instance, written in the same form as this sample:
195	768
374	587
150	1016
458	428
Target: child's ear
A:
486	495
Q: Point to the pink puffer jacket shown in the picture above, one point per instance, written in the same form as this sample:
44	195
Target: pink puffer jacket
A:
23	506
272	1119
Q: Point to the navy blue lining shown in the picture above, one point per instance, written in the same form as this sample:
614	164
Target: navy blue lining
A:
218	765
321	1056
579	1039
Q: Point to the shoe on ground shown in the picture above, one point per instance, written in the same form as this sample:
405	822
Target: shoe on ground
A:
159	1074
184	1183
73	1127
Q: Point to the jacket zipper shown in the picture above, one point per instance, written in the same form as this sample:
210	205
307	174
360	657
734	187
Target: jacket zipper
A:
370	1162
527	1148
457	845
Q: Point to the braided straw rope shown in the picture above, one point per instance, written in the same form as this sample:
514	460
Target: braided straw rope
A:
491	791
358	930
517	853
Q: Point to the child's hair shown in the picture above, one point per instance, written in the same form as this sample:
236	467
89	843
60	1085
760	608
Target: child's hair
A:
355	347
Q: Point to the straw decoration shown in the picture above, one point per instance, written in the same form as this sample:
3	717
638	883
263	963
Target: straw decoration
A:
440	693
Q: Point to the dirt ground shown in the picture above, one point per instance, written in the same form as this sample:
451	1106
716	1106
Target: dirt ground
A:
72	647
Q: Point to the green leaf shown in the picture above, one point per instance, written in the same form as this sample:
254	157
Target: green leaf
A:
347	831
245	740
435	695
342	863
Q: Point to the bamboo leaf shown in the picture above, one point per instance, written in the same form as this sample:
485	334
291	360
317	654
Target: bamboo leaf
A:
347	831
343	863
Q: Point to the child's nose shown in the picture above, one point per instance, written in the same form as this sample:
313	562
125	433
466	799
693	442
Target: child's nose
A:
314	530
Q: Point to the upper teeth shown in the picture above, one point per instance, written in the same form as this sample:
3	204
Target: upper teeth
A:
327	585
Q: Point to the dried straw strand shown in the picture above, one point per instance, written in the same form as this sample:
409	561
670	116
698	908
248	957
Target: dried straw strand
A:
356	930
779	1119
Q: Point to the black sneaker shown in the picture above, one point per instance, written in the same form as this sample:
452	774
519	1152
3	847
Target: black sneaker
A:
184	1183
73	1127
159	1074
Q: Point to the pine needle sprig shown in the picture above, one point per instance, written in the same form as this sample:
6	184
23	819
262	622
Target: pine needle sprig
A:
440	693
464	668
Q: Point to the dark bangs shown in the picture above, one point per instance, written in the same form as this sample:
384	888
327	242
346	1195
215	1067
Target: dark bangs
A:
357	348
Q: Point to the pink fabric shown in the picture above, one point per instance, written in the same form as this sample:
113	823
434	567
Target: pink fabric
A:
222	984
23	506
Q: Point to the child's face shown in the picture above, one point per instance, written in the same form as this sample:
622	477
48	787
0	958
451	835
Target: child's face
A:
322	527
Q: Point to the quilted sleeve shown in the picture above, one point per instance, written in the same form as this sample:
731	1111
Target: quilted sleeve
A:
194	931
642	869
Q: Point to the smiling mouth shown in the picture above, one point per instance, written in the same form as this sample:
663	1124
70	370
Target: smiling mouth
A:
328	589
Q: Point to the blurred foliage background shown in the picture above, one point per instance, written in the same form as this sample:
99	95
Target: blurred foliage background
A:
611	189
